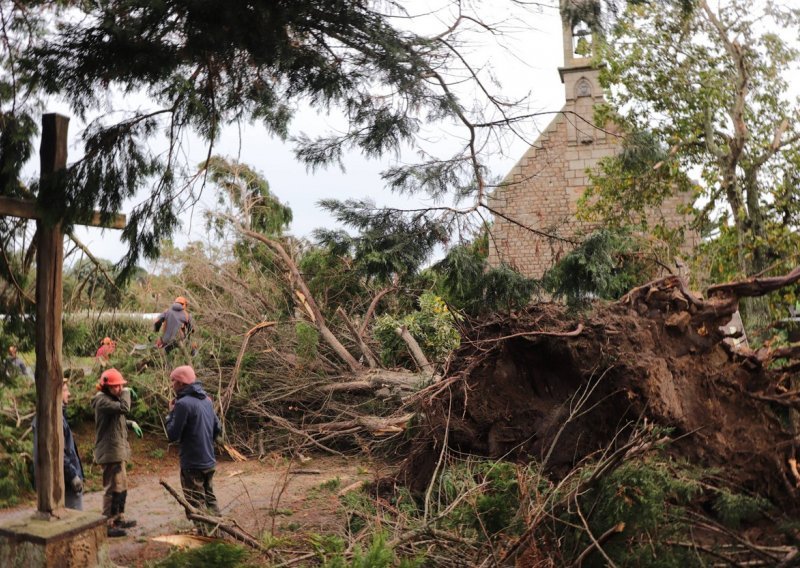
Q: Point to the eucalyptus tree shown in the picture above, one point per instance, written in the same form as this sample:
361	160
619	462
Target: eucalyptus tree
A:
709	86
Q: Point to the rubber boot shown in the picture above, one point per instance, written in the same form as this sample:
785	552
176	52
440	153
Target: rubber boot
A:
121	521
108	505
113	530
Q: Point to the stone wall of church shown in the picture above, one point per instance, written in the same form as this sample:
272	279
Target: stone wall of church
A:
540	194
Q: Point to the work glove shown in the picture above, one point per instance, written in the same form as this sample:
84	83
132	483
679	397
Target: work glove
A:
76	484
134	395
136	429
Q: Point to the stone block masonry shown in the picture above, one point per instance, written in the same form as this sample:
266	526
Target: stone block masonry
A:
538	198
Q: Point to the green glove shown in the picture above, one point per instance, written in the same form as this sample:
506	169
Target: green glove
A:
136	429
134	396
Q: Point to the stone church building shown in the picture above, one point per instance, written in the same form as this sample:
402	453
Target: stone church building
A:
539	195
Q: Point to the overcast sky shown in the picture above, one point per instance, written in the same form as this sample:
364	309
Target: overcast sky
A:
527	64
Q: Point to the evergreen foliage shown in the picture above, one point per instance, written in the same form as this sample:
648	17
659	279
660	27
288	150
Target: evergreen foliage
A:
659	507
205	65
377	555
389	244
248	191
467	282
606	265
492	510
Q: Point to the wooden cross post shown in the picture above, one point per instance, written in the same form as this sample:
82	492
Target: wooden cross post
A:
49	300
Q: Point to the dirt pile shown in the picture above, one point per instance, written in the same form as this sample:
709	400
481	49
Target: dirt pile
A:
555	387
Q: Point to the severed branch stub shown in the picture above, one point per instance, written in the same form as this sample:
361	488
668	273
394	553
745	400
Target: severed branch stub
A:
219	523
416	351
357	337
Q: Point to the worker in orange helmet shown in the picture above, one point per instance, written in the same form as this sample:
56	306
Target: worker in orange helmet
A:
107	347
111	405
174	324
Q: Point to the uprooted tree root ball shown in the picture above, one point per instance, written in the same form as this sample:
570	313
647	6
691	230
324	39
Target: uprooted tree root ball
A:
555	387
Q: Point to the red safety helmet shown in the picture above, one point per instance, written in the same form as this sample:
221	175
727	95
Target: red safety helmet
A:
112	378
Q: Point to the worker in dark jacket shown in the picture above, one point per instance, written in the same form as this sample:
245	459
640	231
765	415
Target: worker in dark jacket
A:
111	405
73	469
15	366
174	324
193	423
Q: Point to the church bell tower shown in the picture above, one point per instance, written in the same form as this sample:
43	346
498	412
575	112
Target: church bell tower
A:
581	80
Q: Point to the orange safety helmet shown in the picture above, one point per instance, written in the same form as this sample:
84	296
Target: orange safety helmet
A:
106	341
111	378
182	301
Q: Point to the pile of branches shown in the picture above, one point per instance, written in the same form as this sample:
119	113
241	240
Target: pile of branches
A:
575	397
276	392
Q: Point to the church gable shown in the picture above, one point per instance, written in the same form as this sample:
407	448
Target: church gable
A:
538	198
541	193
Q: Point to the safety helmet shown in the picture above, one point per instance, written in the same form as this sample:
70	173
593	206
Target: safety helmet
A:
111	378
106	341
182	301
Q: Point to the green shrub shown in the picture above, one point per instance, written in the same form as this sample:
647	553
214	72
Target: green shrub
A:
493	502
652	497
214	555
607	264
360	510
432	326
16	466
467	282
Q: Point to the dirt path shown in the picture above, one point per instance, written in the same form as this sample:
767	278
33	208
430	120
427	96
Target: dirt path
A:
262	497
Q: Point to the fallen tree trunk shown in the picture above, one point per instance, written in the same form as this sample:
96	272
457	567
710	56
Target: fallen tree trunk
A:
375	425
365	350
401	382
416	351
225	397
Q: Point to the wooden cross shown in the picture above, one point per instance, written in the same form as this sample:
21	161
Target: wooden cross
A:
49	300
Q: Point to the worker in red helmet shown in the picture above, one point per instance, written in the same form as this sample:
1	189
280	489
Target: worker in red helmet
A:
107	347
174	324
111	405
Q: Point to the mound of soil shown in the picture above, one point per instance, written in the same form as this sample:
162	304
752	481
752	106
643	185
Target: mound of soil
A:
553	386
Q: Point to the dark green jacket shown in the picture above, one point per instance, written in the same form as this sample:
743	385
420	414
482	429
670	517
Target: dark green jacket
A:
111	428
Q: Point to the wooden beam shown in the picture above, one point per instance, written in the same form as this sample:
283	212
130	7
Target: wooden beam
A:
49	297
29	209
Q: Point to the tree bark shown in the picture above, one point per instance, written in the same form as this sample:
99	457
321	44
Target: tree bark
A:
416	351
365	350
371	310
